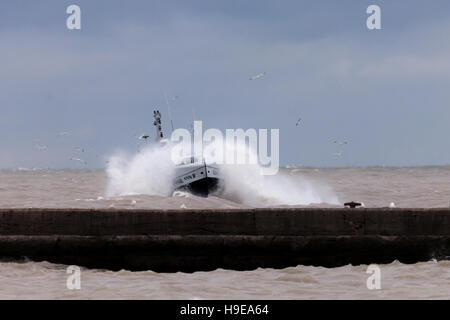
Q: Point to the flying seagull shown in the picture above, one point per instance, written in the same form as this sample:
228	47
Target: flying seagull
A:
141	136
41	147
260	75
298	122
341	142
63	134
79	160
79	149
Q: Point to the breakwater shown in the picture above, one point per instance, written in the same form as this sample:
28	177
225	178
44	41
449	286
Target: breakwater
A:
239	239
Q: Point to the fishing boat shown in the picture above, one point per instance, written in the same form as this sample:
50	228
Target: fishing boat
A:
192	174
197	177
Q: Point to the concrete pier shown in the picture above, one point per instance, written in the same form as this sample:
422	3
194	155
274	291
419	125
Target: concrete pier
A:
239	239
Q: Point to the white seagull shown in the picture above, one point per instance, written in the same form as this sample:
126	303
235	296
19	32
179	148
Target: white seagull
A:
143	137
340	142
41	147
260	75
79	149
63	134
79	160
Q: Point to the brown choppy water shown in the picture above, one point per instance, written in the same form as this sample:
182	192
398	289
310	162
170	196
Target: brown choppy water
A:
375	187
428	280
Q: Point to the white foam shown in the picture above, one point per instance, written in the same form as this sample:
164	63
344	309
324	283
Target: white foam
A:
245	184
181	194
151	172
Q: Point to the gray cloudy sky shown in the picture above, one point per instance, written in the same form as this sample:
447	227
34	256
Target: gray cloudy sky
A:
385	91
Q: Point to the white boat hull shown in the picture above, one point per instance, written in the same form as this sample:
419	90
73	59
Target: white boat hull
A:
197	178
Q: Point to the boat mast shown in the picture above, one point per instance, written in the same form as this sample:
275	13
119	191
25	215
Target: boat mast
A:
157	124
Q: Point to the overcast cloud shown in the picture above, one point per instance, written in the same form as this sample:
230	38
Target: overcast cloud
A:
385	91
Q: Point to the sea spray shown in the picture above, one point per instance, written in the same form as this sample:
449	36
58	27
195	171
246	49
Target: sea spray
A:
245	184
151	172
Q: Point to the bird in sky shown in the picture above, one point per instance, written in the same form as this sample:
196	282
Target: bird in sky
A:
340	142
143	137
298	122
79	160
260	75
41	147
63	134
79	149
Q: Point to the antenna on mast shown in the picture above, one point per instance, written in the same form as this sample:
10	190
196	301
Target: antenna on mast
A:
157	124
168	110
